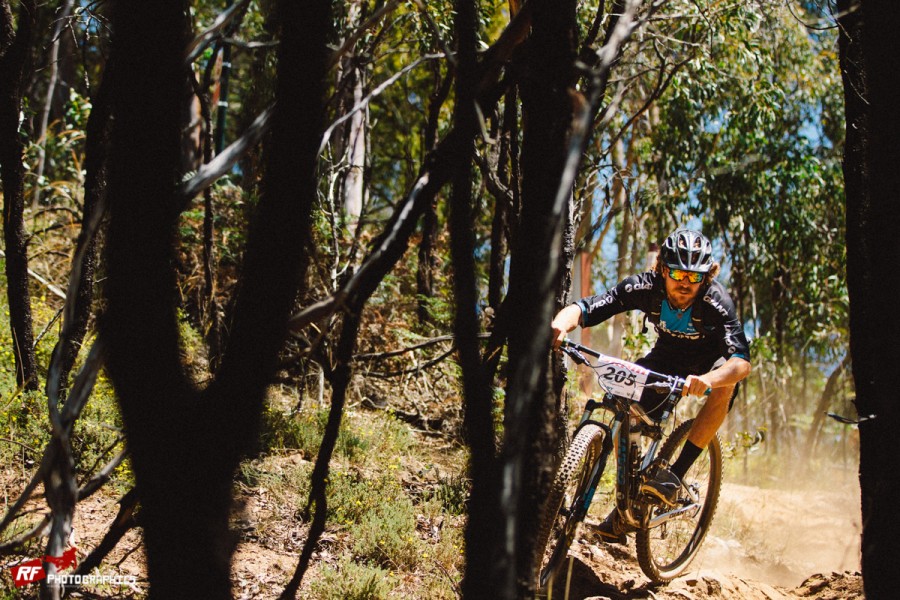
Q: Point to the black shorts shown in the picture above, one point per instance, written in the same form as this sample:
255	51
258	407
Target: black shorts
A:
681	365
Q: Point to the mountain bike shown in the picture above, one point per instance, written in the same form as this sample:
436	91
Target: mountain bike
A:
667	537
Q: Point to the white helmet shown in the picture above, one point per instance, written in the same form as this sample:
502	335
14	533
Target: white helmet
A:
687	249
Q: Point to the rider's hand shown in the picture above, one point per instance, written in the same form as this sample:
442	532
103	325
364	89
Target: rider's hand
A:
696	385
565	321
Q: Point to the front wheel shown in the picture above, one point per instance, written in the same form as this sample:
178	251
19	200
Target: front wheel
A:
567	501
666	550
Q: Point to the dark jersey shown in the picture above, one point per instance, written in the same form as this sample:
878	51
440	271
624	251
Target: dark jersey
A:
709	327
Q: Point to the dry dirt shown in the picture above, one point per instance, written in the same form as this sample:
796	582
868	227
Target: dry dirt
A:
767	543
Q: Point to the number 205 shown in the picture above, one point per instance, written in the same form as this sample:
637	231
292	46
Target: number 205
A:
619	376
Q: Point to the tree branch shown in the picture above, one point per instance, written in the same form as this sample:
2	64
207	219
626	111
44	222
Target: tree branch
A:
207	36
125	520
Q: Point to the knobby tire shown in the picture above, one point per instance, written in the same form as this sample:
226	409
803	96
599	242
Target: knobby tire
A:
666	551
565	504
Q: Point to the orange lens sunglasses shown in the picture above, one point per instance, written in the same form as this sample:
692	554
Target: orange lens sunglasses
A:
681	275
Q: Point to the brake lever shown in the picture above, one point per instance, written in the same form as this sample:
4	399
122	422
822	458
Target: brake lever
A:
660	386
576	356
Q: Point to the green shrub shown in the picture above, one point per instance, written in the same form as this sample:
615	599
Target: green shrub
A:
352	495
24	429
287	482
452	493
351	581
300	431
303	431
387	536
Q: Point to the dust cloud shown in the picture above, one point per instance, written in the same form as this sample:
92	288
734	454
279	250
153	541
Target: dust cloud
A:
781	529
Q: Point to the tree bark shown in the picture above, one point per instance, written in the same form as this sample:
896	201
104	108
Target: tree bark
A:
52	81
536	264
426	261
482	532
95	151
185	443
869	64
503	200
354	190
15	61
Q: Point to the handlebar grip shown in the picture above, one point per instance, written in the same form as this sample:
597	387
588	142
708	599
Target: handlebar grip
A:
568	346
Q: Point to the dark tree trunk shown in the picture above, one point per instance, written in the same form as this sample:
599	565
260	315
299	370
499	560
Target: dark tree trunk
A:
482	533
97	138
427	264
869	64
503	205
186	443
15	60
340	380
530	436
139	327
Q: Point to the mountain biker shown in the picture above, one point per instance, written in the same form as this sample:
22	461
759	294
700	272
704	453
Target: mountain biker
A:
700	339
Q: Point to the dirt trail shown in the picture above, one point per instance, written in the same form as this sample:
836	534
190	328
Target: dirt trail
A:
772	543
782	537
766	544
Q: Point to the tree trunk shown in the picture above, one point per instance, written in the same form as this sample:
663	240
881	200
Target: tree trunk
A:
52	81
15	60
354	183
623	268
825	400
482	533
186	443
869	64
97	136
426	261
503	201
531	429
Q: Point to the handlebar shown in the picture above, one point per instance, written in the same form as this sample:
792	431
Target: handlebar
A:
624	372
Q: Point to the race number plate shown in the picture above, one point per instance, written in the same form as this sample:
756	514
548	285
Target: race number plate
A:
621	378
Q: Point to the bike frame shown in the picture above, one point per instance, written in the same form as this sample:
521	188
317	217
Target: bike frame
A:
630	423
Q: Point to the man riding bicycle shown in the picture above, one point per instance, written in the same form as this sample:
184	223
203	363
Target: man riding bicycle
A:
700	339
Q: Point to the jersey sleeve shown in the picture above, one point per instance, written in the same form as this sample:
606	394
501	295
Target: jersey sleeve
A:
733	340
630	293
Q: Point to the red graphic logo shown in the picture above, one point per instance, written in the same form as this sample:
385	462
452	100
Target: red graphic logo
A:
32	571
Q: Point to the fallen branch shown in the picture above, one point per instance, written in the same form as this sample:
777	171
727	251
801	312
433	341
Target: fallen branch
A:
416	369
37	531
415	419
54	289
419	346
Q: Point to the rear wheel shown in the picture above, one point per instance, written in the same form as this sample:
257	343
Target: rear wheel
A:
665	551
565	505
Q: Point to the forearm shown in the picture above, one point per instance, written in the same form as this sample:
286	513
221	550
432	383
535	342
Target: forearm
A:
565	321
734	370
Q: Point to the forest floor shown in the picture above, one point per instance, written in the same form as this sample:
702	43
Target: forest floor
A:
766	544
781	538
